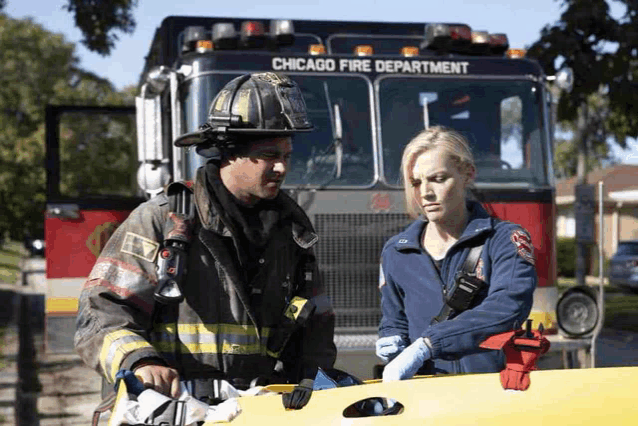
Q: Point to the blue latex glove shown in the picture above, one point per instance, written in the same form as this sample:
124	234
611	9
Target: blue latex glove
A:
408	362
390	346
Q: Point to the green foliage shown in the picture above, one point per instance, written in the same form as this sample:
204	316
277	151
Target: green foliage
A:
595	263
598	134
11	253
603	54
99	20
566	256
37	68
98	155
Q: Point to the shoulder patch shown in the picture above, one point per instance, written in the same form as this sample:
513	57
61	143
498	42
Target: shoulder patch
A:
139	246
523	243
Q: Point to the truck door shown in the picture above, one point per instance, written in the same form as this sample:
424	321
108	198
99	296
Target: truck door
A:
91	164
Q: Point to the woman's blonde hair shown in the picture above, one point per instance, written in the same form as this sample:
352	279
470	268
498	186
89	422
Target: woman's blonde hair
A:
456	145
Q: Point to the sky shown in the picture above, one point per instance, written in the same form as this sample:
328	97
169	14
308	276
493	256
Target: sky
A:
521	20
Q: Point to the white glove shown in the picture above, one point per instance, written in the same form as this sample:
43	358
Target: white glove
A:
408	362
390	346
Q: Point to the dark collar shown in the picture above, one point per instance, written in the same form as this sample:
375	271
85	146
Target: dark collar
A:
480	222
302	230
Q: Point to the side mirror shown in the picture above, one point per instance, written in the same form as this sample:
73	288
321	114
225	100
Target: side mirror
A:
564	79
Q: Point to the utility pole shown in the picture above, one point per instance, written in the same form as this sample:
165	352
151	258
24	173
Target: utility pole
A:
585	199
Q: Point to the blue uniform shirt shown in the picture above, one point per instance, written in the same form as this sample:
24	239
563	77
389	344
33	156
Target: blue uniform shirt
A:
412	291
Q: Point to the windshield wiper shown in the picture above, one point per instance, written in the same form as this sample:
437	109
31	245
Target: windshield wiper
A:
337	132
337	141
426	115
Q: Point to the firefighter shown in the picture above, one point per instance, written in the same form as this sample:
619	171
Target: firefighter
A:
250	306
456	275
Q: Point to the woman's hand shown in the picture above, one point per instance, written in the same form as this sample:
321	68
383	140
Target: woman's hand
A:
390	346
408	362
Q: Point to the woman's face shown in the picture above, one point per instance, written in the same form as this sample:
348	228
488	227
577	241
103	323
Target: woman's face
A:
439	185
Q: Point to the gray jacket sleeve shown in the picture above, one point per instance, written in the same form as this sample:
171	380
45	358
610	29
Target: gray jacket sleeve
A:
116	303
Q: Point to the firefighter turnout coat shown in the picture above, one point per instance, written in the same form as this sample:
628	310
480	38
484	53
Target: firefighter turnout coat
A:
224	324
412	291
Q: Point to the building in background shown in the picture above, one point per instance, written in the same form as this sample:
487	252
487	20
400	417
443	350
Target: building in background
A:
620	205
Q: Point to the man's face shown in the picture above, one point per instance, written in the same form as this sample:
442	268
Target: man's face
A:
258	173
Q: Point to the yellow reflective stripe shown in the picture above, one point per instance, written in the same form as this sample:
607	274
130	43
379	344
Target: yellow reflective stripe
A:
273	354
113	352
122	351
212	348
228	339
243	330
232	332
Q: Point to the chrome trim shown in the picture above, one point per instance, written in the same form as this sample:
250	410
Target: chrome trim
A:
176	128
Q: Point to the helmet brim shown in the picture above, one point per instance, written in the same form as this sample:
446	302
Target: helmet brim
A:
194	138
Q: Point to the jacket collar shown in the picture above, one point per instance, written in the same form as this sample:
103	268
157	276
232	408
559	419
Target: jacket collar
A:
302	230
479	222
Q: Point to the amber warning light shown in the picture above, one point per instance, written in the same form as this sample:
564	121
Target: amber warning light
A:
317	49
363	50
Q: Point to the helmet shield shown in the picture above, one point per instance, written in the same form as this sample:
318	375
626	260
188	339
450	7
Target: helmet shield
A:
261	105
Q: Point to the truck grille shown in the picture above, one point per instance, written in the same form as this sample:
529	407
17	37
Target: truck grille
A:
348	253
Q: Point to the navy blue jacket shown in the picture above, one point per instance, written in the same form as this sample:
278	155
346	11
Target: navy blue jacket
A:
412	291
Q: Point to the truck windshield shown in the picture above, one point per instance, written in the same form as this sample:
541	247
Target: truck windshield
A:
501	119
314	161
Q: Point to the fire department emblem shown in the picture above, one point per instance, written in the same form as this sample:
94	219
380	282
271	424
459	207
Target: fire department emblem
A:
100	235
380	202
524	246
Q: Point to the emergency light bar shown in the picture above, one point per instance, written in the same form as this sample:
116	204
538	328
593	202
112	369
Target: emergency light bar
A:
225	36
252	34
480	42
447	37
363	50
499	43
282	32
192	35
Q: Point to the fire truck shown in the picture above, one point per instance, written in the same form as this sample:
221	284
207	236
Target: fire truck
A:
369	88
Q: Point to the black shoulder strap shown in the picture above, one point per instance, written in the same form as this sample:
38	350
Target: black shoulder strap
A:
469	266
180	201
468	270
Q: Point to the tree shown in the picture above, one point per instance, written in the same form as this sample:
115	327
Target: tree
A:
99	21
603	53
36	68
598	135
